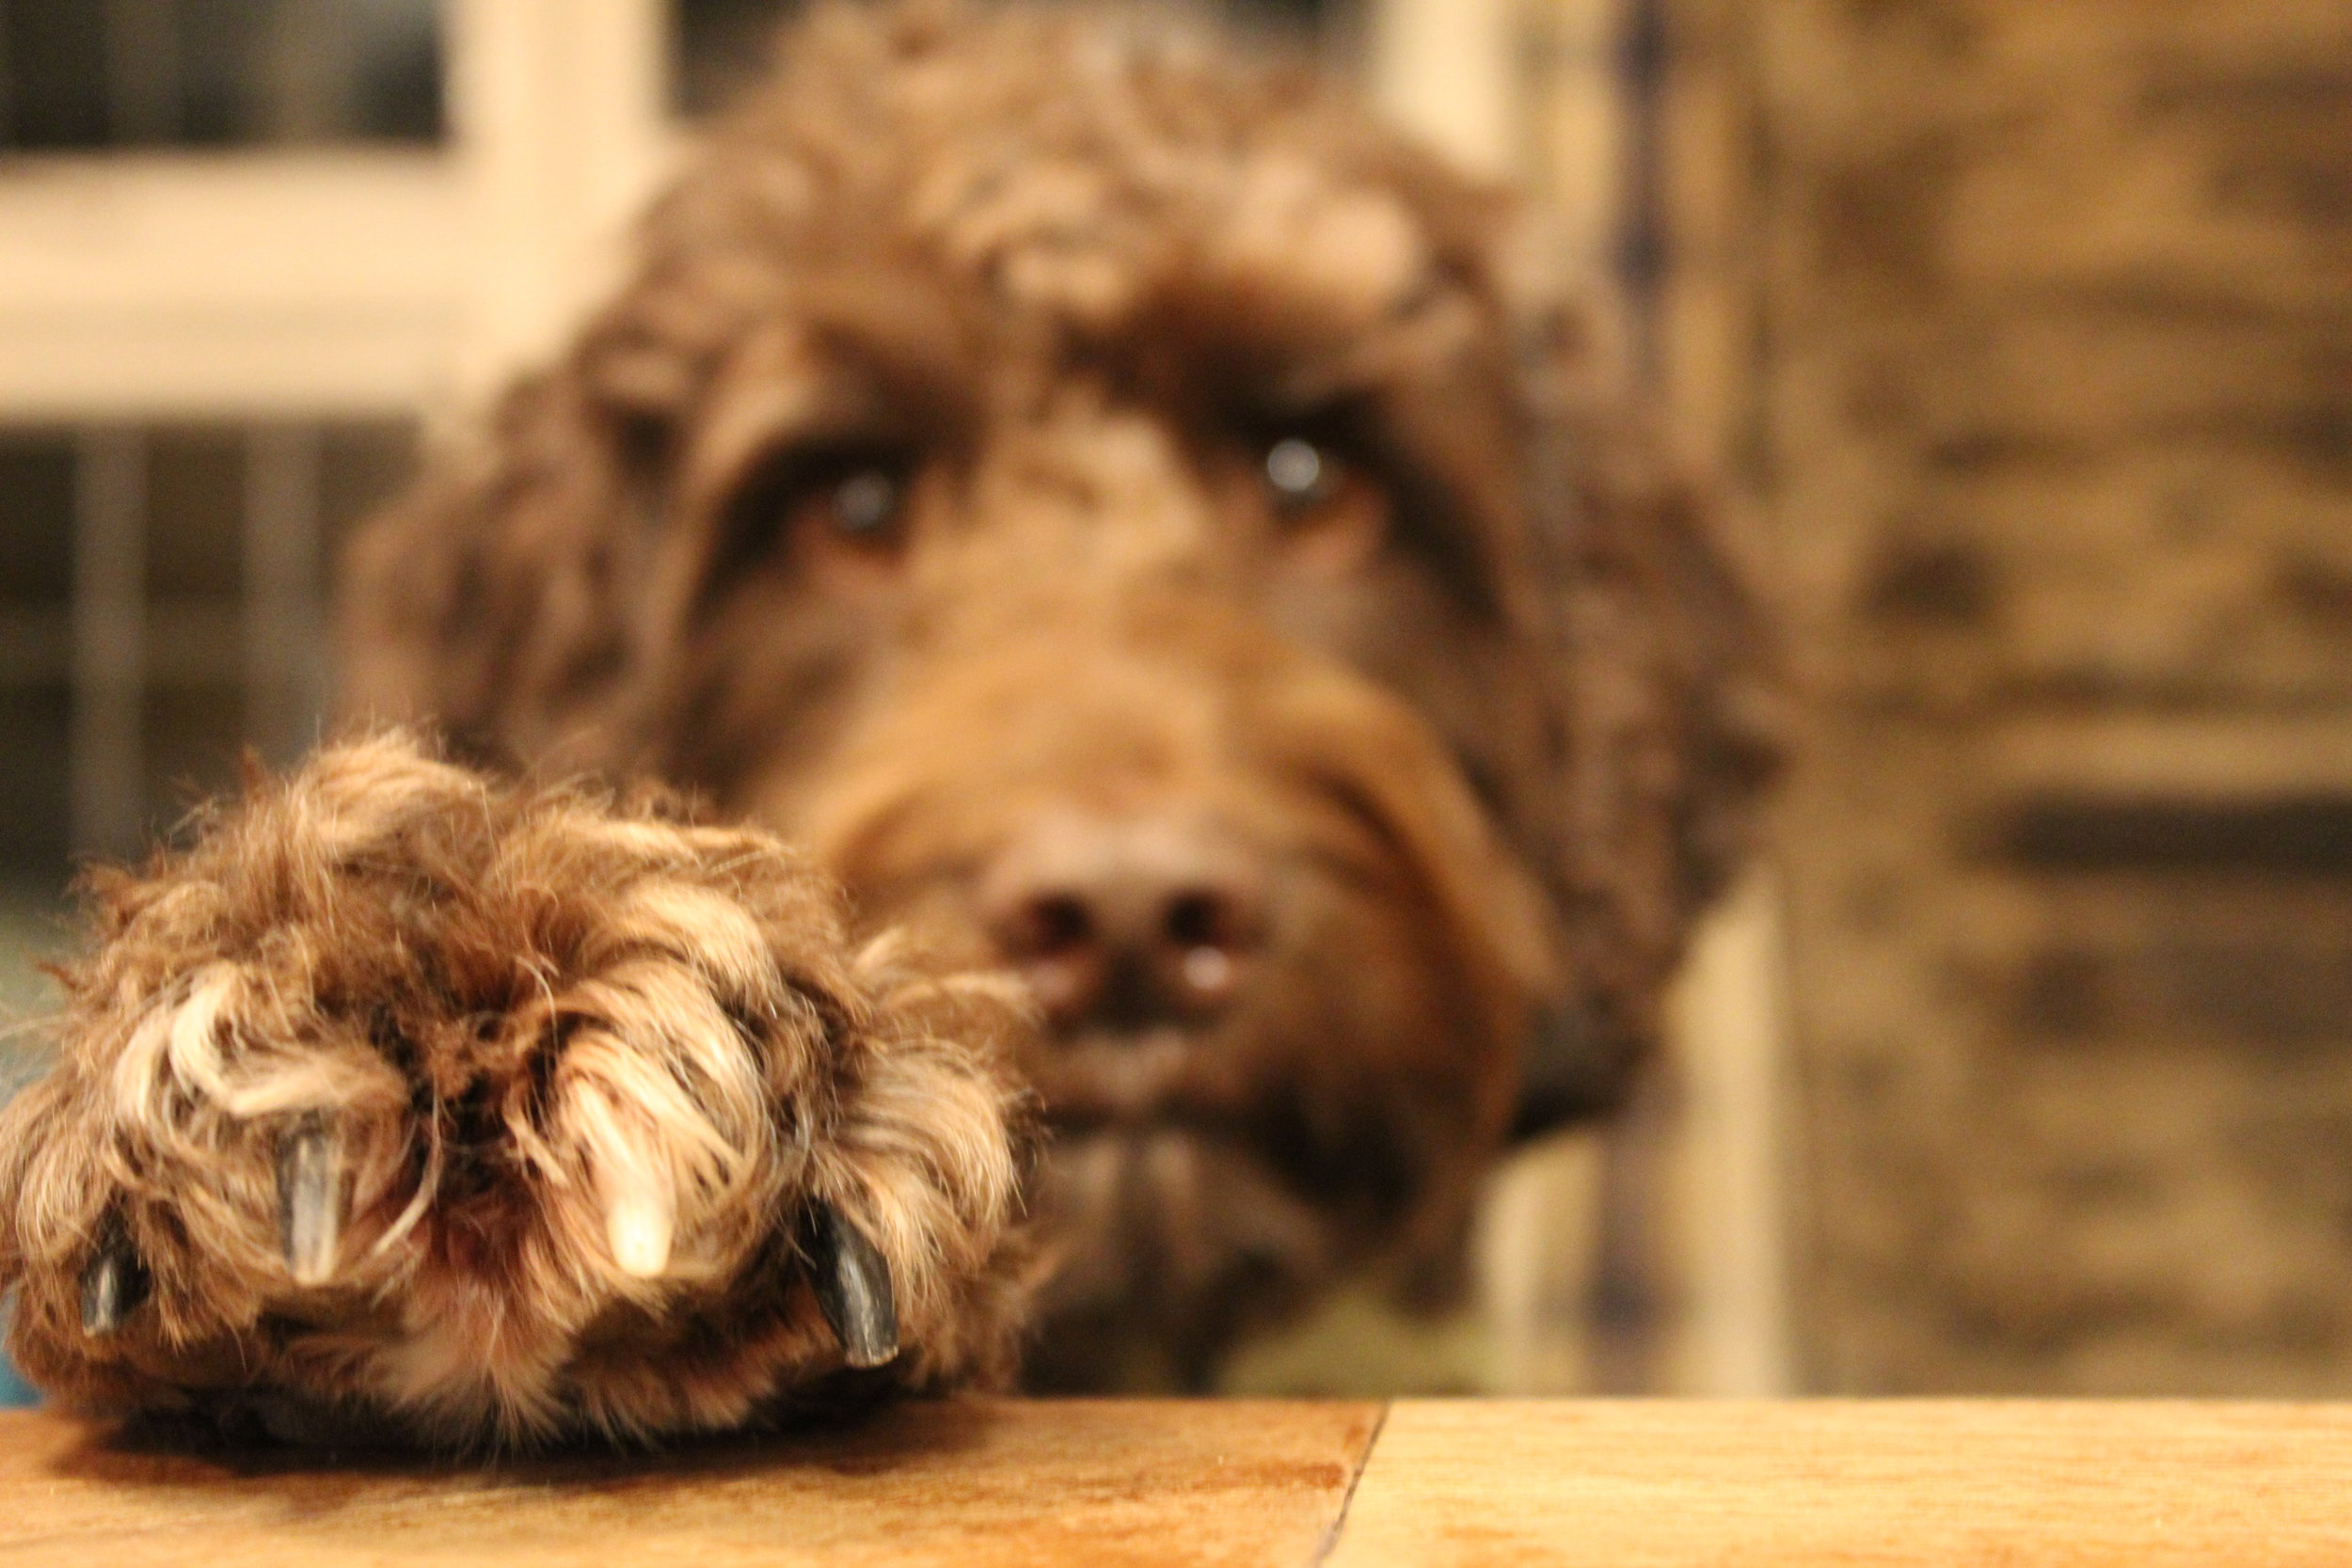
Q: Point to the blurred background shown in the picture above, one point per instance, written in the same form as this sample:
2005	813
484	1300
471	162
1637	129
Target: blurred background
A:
2020	330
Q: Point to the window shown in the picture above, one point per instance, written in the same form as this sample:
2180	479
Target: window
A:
94	75
161	594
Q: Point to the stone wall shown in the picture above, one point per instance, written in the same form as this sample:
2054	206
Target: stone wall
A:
2027	327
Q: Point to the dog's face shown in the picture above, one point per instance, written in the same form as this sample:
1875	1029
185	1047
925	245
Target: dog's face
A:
1086	493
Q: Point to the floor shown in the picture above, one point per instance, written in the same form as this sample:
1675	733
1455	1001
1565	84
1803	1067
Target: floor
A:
1417	1483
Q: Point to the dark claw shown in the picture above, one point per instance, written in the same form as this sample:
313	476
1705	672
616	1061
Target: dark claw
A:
853	1289
113	1284
310	1200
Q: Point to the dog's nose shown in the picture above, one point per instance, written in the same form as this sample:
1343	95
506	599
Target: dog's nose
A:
1125	923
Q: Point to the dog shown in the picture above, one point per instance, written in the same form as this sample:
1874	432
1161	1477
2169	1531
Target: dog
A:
1130	523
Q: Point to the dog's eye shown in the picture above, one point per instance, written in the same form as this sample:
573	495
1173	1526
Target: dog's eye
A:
1331	513
840	514
1298	472
860	505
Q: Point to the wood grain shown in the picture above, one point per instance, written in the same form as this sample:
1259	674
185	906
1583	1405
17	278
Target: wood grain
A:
1835	1483
974	1484
979	1483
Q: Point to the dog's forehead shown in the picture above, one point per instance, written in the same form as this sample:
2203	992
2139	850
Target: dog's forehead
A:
1073	168
1095	242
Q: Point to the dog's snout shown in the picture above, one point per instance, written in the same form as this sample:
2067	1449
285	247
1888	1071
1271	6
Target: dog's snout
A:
1125	923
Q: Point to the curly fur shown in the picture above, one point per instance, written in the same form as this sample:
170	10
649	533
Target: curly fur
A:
1476	727
516	1009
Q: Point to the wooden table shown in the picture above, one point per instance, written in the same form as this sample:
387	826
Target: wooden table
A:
976	1484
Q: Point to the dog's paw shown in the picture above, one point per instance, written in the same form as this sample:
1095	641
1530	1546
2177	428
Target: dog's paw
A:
467	1113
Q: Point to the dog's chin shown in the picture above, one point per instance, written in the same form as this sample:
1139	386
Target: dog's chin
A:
1196	1189
1172	1241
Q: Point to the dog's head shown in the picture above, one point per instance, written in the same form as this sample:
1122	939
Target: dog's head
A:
1131	516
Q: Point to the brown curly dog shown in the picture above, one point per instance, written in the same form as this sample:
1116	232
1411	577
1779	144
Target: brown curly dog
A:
1135	522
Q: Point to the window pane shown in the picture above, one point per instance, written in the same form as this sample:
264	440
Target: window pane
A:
35	802
200	553
56	55
189	742
82	74
35	498
195	513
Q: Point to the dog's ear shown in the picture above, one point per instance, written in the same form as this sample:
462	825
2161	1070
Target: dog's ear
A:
1662	713
495	599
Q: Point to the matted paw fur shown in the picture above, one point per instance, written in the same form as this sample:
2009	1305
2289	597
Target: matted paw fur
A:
454	1111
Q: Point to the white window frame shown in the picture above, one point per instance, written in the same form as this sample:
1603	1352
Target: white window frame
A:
260	283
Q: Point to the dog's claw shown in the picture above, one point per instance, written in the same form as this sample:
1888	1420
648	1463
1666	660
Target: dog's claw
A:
638	1226
853	1289
310	1200
113	1285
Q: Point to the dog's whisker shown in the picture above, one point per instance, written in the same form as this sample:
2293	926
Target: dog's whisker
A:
853	1289
113	1285
309	1199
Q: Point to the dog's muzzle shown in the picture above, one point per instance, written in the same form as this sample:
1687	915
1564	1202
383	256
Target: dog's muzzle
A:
1126	926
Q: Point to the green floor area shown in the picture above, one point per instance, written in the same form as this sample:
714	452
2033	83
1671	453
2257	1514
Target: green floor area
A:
33	927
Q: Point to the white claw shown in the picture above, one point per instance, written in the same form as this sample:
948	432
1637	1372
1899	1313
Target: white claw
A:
636	1191
310	1200
638	1226
631	1176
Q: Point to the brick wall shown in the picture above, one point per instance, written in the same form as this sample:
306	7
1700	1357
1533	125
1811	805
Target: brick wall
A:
2026	328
